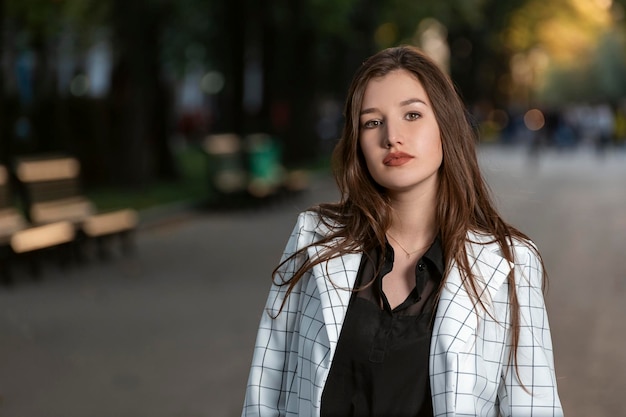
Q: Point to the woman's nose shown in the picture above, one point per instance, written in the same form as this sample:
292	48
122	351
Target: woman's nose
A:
393	136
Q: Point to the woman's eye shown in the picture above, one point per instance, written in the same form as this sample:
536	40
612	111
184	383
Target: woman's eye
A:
413	116
370	124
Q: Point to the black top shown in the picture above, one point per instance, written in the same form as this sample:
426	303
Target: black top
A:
380	367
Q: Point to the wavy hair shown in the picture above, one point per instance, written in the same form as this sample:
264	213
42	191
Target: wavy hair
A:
358	222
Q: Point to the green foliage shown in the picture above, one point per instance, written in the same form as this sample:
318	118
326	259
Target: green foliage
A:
42	17
48	17
192	34
600	77
87	15
332	17
193	186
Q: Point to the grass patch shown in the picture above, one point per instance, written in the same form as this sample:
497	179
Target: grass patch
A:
193	185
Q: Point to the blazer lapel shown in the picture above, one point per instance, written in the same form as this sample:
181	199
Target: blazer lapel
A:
335	280
456	319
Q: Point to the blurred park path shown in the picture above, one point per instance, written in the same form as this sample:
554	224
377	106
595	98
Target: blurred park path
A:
573	204
169	332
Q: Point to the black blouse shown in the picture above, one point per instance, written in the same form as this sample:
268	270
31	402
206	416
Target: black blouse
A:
380	367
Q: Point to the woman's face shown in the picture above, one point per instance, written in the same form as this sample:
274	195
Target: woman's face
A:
399	135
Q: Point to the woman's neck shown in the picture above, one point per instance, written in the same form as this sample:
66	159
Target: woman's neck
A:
414	221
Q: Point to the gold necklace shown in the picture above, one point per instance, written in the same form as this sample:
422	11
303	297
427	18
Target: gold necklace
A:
408	254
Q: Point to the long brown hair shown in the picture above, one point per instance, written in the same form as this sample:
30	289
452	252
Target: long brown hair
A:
358	222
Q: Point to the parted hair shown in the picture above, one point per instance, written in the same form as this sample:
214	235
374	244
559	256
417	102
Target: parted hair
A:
359	221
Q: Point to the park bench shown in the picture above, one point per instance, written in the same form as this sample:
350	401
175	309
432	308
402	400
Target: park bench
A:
52	192
227	172
251	165
19	238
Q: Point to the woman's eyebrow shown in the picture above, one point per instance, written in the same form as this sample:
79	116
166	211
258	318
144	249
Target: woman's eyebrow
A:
366	111
402	103
411	101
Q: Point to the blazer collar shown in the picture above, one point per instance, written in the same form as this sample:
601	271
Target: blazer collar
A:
488	265
453	322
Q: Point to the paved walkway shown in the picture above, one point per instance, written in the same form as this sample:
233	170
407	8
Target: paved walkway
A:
169	331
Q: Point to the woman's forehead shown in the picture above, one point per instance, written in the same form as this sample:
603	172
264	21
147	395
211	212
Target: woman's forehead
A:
400	86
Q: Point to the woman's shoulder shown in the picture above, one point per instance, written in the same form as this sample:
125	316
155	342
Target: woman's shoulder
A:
316	221
311	228
519	244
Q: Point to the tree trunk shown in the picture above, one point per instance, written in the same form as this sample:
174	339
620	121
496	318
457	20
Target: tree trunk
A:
140	104
301	142
4	140
231	116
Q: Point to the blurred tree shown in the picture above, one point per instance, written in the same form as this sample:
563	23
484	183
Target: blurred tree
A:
27	25
127	139
275	62
141	102
274	54
600	78
564	29
557	41
305	49
4	139
479	58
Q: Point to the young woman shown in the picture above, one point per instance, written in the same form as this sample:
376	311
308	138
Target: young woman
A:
410	296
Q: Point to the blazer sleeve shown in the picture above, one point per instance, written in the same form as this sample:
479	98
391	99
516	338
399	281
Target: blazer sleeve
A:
531	389
272	374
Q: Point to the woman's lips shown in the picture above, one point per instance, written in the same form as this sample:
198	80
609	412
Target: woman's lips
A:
397	158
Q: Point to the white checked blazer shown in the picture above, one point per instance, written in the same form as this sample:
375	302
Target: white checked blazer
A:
470	373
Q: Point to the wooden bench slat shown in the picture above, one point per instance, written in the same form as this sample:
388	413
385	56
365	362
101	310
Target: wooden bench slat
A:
74	209
36	170
110	223
41	237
